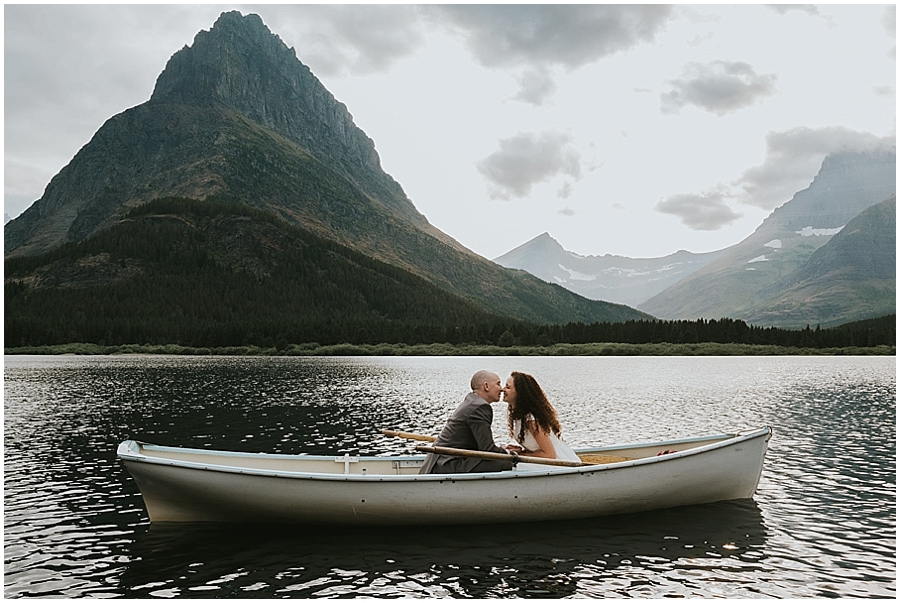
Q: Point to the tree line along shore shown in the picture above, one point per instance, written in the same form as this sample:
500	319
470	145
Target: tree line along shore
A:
447	349
640	338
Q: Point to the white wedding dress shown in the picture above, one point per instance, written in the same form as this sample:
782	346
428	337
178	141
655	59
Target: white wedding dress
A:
563	451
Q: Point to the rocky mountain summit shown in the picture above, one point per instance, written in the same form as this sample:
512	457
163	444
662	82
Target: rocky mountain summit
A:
242	65
748	279
612	278
827	256
853	275
237	117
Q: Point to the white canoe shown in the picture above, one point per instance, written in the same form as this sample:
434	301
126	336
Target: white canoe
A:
191	485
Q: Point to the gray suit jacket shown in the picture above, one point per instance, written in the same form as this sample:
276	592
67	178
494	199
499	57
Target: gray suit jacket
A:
469	427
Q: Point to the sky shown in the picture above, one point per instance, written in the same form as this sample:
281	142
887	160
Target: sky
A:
617	129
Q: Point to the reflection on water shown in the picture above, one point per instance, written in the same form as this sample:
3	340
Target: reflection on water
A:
519	560
822	523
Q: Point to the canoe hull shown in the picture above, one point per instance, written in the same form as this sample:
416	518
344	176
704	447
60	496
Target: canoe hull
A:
193	492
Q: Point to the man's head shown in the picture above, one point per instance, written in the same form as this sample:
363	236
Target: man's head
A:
487	385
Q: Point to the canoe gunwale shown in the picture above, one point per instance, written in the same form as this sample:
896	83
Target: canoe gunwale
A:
130	451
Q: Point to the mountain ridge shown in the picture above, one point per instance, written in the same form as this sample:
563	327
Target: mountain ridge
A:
612	278
849	278
243	65
254	279
304	161
847	184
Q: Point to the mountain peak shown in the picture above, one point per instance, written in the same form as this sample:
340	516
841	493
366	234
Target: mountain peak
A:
239	64
544	239
217	67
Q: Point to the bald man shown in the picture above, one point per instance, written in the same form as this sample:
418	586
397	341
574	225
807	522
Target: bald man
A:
469	427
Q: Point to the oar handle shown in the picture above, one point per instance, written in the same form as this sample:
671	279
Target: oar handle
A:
498	456
408	436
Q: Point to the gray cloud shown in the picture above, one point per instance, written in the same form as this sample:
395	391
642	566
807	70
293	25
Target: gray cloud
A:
527	159
719	87
336	39
783	9
566	211
536	86
570	35
793	158
889	20
701	211
525	36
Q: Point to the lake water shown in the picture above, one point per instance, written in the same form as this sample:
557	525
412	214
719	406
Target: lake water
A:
822	524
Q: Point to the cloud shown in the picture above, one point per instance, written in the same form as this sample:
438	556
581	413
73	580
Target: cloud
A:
357	39
530	36
889	20
565	191
719	87
536	87
783	9
702	211
566	211
794	157
699	40
527	159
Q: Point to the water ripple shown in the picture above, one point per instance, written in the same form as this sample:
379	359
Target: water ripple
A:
822	524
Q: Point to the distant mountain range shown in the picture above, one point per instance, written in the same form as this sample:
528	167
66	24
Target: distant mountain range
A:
850	277
827	256
612	278
237	118
758	279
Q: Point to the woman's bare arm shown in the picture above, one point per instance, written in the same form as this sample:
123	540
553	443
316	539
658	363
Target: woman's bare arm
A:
547	451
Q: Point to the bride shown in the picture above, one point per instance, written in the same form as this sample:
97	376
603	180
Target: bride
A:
533	423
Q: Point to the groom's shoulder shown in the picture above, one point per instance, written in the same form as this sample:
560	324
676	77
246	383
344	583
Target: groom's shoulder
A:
473	399
470	403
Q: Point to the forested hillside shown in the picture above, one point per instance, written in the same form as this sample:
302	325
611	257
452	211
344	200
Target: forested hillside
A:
214	274
236	116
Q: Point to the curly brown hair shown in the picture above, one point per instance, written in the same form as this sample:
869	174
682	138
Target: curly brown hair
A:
531	400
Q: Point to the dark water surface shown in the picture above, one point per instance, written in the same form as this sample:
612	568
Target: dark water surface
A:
822	524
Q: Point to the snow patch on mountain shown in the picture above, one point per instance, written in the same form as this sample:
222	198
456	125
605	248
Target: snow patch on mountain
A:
809	231
578	276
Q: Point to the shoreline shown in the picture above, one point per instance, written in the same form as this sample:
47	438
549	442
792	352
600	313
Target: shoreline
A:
446	349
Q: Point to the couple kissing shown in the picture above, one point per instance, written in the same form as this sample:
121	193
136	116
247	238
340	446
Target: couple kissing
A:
531	420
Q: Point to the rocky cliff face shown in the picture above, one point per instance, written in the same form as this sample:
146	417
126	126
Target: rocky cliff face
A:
236	117
852	277
177	143
739	283
847	183
242	65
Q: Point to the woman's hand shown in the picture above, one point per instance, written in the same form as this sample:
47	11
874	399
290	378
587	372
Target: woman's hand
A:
515	448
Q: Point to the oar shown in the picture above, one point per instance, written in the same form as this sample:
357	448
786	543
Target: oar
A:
589	459
496	456
408	436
